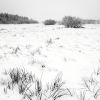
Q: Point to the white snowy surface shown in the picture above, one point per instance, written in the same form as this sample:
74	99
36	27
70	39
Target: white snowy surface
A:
74	52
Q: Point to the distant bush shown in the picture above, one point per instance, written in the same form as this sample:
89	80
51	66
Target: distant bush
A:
49	22
15	19
71	22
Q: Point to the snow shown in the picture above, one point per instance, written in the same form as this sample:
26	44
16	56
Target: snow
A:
73	52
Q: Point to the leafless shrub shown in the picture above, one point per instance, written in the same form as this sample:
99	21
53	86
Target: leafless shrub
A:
72	22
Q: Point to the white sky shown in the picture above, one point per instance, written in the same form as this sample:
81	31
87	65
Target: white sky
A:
56	9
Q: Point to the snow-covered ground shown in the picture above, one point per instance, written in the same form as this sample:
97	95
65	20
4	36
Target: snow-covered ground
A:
73	52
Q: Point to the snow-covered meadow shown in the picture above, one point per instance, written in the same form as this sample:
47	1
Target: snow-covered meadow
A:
73	52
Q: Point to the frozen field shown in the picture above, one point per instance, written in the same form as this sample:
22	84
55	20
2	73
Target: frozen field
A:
73	52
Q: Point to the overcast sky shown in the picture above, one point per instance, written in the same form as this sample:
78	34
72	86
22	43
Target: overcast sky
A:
56	9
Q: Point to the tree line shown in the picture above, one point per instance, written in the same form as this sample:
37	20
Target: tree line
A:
6	18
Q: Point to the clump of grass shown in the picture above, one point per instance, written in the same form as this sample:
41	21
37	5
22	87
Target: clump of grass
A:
92	84
56	90
31	87
49	42
19	78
